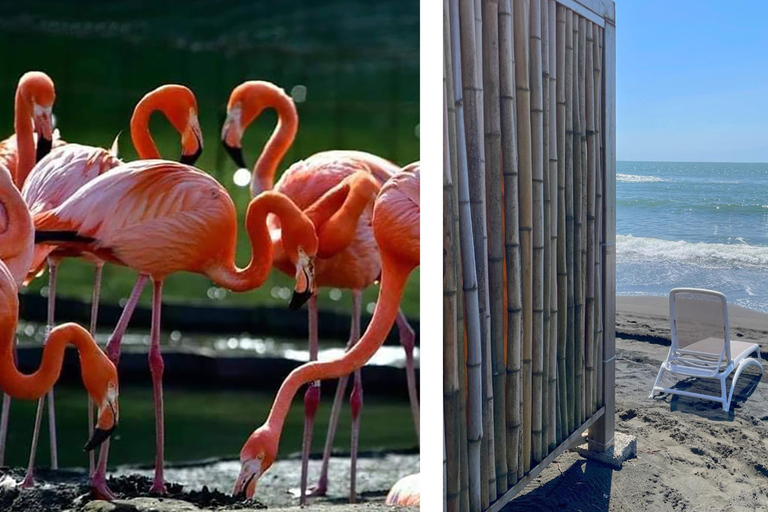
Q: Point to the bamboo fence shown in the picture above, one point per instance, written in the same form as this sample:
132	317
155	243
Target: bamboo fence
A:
529	233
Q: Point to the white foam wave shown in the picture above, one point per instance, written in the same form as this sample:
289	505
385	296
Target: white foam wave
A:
630	248
634	178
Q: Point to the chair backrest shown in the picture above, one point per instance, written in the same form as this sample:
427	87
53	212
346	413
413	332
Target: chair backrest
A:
699	317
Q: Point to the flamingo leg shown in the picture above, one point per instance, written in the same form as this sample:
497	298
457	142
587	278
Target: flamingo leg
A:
321	488
311	401
356	404
408	341
156	367
54	268
29	479
4	426
6	413
113	346
99	478
94	319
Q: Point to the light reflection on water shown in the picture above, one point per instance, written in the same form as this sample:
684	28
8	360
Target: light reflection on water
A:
243	345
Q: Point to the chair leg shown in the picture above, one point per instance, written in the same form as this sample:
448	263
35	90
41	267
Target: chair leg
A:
658	379
742	365
723	394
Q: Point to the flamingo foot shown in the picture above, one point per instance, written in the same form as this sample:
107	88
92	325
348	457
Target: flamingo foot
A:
321	489
99	488
158	487
29	481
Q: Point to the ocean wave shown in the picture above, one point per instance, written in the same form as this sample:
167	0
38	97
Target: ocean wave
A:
629	248
634	178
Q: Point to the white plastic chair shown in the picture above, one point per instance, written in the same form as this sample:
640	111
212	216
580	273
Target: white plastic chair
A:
701	344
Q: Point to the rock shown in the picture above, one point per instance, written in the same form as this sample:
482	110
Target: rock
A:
141	505
624	447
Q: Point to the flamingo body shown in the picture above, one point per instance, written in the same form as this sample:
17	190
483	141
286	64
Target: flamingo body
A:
133	216
359	265
9	150
57	177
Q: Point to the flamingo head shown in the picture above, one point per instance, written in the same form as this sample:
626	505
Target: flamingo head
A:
179	105
247	101
37	91
100	379
300	245
256	457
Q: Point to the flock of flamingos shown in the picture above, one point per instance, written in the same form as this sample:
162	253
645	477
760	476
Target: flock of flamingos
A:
339	218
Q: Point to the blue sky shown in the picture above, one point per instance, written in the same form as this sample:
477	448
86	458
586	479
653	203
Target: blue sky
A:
692	80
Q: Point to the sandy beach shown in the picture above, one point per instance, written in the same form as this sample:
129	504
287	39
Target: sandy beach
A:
692	456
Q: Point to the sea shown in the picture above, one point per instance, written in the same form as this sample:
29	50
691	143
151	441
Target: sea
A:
702	225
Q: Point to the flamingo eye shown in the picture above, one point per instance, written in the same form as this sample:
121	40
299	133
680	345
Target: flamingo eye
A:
260	456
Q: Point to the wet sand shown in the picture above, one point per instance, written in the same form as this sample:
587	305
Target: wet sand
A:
692	456
67	490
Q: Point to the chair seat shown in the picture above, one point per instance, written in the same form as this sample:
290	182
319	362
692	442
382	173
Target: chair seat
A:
713	346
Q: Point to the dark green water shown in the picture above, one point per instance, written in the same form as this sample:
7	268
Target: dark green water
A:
198	425
357	60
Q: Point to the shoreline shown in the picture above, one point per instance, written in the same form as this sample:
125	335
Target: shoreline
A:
646	318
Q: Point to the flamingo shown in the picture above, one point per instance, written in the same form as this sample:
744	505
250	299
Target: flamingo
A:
33	124
159	217
99	374
396	228
354	266
406	492
62	172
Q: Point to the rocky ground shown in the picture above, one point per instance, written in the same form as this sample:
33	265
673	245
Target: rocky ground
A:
208	487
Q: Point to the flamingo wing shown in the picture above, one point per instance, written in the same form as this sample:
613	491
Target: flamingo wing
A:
154	216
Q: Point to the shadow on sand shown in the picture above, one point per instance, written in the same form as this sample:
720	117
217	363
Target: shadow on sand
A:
745	387
586	485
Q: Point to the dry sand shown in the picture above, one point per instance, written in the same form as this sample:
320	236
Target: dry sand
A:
692	456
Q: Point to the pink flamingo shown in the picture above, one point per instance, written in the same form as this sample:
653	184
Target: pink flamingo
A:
33	125
159	217
60	174
396	228
99	374
354	266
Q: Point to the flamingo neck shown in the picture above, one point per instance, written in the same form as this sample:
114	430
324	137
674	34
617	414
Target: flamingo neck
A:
228	275
140	135
35	385
16	230
338	231
393	278
279	142
25	139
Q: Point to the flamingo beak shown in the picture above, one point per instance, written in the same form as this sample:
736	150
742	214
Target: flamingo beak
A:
245	485
232	136
43	120
105	426
191	141
305	282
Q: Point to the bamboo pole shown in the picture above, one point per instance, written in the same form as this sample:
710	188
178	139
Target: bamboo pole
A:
450	352
523	114
474	133
598	60
496	235
584	172
547	229
469	274
590	346
511	239
552	262
460	354
562	273
537	169
570	227
578	276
